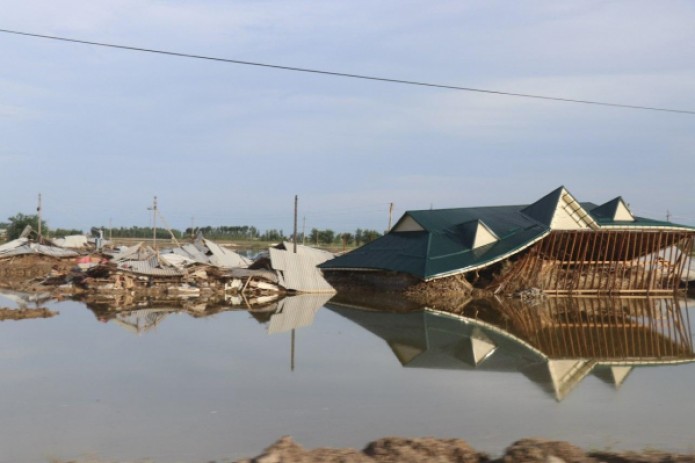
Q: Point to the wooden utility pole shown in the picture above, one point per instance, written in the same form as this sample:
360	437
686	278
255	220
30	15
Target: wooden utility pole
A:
154	223
38	210
390	216
296	202
296	205
110	231
304	230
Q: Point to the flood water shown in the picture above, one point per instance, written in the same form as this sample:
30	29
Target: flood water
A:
178	386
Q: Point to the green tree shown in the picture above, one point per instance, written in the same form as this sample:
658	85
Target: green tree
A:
370	235
19	222
63	232
326	236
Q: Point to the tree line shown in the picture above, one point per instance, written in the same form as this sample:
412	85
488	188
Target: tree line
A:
17	223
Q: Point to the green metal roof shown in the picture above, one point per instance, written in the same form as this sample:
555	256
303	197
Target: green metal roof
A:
544	209
444	245
604	214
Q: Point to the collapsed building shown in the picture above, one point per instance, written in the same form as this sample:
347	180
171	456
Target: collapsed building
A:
555	245
201	269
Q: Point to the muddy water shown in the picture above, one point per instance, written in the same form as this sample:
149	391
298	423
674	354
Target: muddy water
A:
168	386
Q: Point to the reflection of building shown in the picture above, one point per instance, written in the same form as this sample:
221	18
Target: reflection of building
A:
142	315
556	345
296	312
141	321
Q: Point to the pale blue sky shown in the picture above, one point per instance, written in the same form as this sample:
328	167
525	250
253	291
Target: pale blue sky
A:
100	131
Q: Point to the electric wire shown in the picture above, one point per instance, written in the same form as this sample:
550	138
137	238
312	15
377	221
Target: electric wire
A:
350	75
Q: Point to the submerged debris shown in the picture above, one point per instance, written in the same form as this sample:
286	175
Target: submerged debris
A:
22	314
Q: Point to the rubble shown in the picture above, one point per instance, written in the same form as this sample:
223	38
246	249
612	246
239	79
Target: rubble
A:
201	269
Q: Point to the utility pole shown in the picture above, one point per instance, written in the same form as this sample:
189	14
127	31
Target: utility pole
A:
110	231
154	223
296	202
38	210
390	216
668	215
303	230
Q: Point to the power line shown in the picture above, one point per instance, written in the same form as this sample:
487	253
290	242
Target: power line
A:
351	76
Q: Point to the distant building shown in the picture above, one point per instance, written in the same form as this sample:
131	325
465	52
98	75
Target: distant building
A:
556	244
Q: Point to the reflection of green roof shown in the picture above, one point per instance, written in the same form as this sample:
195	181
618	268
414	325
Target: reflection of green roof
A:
435	243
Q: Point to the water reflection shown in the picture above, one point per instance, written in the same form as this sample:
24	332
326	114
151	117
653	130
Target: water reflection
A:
556	343
143	315
23	300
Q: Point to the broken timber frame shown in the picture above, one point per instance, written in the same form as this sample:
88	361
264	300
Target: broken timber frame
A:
611	262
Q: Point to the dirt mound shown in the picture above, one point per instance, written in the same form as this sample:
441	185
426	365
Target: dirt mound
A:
385	450
542	451
431	450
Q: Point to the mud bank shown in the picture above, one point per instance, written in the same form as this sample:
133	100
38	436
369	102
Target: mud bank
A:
405	450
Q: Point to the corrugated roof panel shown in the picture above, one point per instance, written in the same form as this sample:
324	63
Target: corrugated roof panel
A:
71	241
145	267
299	271
225	258
33	248
176	260
193	252
136	252
269	275
11	245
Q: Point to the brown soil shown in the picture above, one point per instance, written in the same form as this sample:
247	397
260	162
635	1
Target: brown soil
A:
405	450
25	273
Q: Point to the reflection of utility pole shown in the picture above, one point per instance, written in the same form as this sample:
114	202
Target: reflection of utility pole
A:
292	354
38	210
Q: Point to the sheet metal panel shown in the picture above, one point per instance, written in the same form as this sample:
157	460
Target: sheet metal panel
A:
269	275
299	271
225	258
34	248
192	252
135	252
11	245
71	241
145	267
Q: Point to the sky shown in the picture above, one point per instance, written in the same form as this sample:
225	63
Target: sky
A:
99	132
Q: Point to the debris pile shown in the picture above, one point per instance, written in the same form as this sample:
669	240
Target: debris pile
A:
201	269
